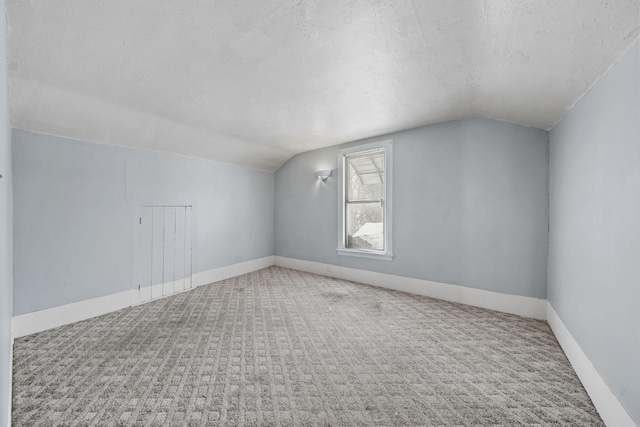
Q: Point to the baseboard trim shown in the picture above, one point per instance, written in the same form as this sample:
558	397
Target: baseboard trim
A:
514	304
38	321
233	270
9	403
607	404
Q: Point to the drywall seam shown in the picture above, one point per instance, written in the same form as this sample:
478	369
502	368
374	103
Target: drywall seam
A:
607	404
38	321
514	304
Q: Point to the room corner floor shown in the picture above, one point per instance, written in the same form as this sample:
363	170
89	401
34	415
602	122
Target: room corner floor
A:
282	347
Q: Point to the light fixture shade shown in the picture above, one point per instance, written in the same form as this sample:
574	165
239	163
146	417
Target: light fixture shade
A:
323	175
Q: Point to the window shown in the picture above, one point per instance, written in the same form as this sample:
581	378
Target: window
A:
365	200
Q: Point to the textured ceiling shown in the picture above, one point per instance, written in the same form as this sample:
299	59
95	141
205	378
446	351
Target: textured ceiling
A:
254	82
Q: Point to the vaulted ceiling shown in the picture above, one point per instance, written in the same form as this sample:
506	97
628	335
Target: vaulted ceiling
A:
254	82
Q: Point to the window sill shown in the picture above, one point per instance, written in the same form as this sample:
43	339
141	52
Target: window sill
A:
365	254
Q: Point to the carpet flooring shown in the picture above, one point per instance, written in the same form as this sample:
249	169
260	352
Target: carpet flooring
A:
285	348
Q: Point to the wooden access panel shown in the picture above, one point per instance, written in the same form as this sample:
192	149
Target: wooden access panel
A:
163	251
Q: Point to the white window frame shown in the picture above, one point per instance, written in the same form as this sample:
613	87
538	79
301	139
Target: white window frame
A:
385	146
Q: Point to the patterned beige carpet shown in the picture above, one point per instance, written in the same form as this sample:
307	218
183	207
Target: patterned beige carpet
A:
282	347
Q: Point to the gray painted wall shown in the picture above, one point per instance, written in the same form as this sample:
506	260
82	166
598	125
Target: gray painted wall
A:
594	245
6	247
76	205
470	207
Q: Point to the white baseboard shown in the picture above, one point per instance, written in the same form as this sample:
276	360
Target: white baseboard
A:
155	292
607	404
38	321
9	403
233	270
514	304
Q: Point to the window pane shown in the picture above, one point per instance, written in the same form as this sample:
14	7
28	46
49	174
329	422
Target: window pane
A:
365	177
365	201
364	226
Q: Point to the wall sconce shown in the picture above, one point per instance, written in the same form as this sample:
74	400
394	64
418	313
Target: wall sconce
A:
323	175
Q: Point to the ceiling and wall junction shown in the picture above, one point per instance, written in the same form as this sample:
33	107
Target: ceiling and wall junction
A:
255	82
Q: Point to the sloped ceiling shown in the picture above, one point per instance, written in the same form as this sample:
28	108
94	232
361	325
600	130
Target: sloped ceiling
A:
254	82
